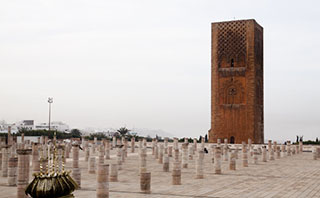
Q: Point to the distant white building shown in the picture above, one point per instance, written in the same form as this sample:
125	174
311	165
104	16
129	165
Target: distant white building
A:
59	126
25	124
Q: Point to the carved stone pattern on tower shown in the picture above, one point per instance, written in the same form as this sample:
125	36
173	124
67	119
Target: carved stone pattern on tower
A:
232	40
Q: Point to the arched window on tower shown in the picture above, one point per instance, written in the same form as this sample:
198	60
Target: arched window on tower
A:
232	62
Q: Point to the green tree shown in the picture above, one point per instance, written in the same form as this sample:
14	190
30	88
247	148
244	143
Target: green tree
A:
123	131
75	133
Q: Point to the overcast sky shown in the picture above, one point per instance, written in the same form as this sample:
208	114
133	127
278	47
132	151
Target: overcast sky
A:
146	63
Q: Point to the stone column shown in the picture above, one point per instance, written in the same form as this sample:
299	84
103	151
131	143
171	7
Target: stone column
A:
123	154
166	145
107	150
101	155
297	149
145	182
212	152
114	172
132	144
283	150
114	142
264	154
175	143
271	152
5	158
87	154
12	171
278	152
144	141
170	151
232	161
249	144
102	181
35	159
1	158
125	147
226	150
288	148
119	160
195	144
244	155
255	156
185	155
176	154
76	171
156	151
202	143
176	173
269	145
166	162
143	160
23	171
92	165
191	152
217	164
301	146
160	159
199	165
314	153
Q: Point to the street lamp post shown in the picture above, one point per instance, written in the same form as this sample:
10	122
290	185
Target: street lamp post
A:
50	101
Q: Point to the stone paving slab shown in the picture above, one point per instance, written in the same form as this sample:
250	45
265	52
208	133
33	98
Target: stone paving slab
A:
293	176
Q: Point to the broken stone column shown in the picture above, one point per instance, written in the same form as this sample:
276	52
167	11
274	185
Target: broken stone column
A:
170	151
160	159
217	163
278	152
166	145
271	152
107	150
191	153
23	171
76	171
5	158
175	143
176	173
232	161
114	172
166	162
314	153
199	165
1	158
119	160
35	159
283	150
185	155
226	150
102	181
87	154
202	143
143	160
269	145
264	154
176	154
145	182
301	146
132	144
297	149
288	148
101	155
125	148
114	142
156	151
255	156
249	145
92	165
244	155
212	153
12	171
123	154
195	146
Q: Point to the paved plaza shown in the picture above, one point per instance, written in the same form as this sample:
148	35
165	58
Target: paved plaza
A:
291	176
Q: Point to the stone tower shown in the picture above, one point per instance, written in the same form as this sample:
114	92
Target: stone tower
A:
237	81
